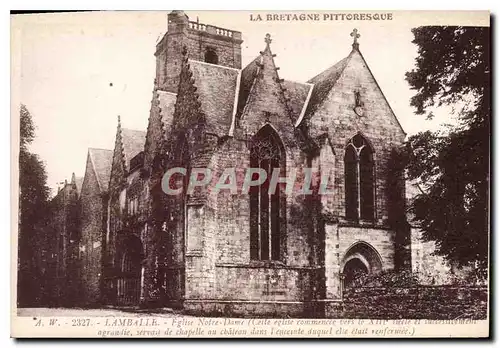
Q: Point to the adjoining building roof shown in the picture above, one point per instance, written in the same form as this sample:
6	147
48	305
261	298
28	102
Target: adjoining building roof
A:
297	94
216	89
248	75
133	143
79	183
323	84
101	161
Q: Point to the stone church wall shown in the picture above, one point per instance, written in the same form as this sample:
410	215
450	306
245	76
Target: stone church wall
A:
200	251
340	238
93	217
381	239
229	275
377	125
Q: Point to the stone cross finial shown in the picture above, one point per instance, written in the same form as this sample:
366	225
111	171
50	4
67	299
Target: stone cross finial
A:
268	39
356	36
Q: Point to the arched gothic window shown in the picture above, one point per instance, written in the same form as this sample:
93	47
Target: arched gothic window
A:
211	56
267	152
359	180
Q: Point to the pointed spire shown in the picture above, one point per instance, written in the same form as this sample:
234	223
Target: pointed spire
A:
119	122
267	74
355	36
73	179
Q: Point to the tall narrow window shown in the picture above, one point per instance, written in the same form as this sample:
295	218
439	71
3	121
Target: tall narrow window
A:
359	180
267	153
351	183
211	56
366	184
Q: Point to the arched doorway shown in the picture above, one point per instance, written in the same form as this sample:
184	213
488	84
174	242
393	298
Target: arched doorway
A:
359	260
129	280
353	270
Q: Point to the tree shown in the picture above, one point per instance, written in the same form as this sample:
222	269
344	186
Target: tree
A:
453	69
33	200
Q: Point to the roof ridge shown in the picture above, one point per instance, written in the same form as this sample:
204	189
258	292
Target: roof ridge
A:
98	148
133	130
95	171
257	72
166	92
214	65
235	105
343	62
302	83
304	107
326	83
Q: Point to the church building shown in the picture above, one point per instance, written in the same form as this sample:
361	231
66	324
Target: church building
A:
230	252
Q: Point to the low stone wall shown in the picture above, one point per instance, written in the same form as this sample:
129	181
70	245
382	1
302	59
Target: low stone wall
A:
421	302
264	283
250	309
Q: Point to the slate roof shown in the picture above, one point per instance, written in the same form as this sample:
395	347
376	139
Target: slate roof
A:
323	84
296	93
79	183
216	90
248	75
217	85
101	161
133	143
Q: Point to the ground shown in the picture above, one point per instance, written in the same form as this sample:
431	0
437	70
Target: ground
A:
95	312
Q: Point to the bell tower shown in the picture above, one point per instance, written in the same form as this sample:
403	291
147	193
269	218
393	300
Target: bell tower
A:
204	42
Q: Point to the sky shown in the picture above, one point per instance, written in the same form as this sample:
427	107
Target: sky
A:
77	72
